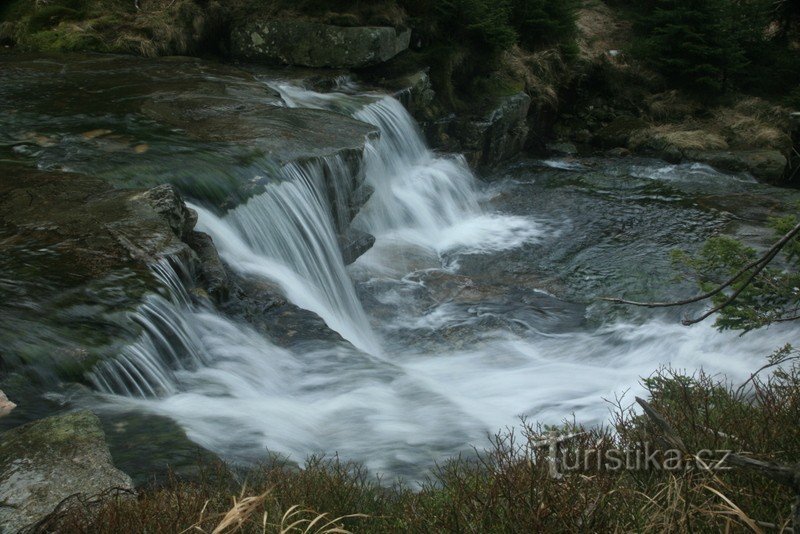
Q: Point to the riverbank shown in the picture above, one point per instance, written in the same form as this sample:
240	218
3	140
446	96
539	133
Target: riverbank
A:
590	96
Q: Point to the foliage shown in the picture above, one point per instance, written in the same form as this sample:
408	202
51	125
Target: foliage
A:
544	23
708	47
772	295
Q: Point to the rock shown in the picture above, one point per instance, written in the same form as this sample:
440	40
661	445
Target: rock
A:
212	271
488	140
262	305
354	243
311	44
416	93
618	152
45	462
618	132
764	165
562	149
80	253
6	406
168	203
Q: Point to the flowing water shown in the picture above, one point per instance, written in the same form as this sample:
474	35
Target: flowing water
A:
476	305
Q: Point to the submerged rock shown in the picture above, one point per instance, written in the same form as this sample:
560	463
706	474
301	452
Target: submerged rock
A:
312	44
47	461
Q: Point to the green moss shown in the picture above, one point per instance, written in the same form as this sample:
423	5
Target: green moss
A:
63	40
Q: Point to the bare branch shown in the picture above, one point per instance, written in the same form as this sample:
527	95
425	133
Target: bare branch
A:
759	265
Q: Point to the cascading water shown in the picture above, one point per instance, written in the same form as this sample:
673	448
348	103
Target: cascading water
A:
420	198
287	235
238	394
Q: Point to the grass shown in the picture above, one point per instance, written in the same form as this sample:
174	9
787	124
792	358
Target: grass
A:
507	488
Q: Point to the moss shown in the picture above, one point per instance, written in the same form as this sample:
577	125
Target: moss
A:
63	40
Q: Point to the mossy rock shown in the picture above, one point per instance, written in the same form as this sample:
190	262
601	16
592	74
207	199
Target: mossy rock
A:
50	460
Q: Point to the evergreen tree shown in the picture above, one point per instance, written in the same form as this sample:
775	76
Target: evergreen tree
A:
544	22
694	43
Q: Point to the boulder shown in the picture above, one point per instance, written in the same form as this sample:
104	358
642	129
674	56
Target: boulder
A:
354	243
80	254
47	461
764	165
312	44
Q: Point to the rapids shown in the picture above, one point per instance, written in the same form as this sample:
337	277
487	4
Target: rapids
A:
454	325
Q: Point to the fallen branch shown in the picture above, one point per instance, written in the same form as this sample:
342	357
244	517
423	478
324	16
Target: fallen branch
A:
755	266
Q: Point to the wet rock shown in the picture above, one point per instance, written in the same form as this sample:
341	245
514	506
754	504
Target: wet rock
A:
80	253
562	149
487	140
415	92
354	243
45	462
168	203
285	134
214	276
764	165
262	305
6	406
312	44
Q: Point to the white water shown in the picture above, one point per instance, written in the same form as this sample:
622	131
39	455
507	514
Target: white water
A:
398	411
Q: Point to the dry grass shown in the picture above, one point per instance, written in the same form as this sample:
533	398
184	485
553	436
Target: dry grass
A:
678	136
600	30
750	124
542	72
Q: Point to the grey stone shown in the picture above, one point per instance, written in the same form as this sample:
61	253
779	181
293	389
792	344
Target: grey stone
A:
488	140
212	271
354	243
312	44
45	462
764	165
167	202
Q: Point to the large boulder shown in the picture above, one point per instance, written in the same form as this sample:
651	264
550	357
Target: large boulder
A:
50	460
312	44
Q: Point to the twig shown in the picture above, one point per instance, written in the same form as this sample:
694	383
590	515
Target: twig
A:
759	265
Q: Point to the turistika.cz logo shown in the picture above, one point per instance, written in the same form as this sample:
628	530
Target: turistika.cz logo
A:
647	458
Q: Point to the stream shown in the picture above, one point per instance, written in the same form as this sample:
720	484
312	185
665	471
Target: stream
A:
477	304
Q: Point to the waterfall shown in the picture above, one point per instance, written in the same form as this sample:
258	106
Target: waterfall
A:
168	343
397	406
287	235
421	199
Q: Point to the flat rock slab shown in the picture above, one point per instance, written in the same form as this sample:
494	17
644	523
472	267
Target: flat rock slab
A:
283	134
312	44
45	462
79	254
